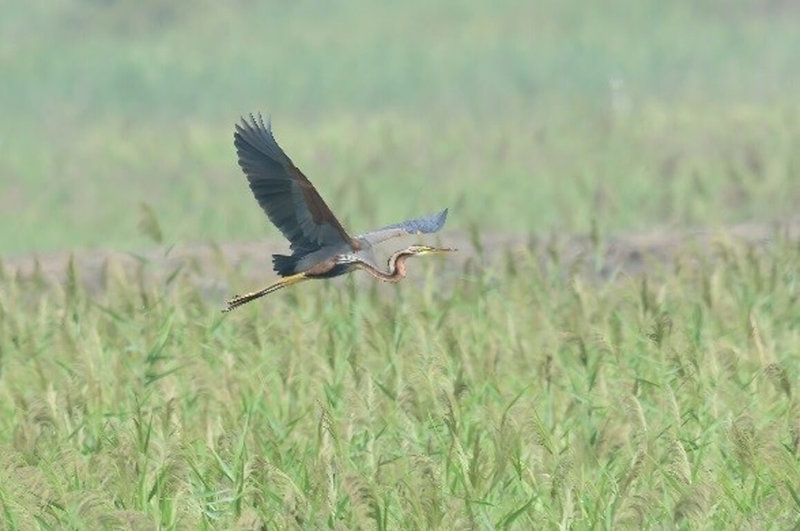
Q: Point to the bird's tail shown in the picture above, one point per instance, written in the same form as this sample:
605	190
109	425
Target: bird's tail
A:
284	265
244	299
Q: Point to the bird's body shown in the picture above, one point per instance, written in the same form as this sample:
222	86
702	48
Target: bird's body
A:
321	248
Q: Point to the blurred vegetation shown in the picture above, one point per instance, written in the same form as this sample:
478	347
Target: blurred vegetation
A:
522	116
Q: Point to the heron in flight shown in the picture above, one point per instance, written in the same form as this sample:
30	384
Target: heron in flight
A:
321	248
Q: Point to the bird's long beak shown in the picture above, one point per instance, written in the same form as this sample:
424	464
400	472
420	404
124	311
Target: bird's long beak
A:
443	250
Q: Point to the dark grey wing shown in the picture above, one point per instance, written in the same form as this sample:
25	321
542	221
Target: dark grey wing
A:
289	199
426	225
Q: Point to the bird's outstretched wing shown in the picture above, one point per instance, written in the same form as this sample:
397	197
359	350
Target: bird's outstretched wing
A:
426	225
289	199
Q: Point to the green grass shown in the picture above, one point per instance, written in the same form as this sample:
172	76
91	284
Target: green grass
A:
515	398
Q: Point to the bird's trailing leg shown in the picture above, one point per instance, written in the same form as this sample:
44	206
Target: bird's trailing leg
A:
244	299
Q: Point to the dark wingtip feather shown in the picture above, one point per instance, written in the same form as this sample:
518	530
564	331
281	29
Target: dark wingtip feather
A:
255	136
255	125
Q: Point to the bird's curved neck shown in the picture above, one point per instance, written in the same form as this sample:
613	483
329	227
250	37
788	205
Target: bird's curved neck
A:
396	268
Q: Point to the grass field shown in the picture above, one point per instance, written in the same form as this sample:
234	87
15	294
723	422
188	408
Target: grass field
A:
504	389
517	397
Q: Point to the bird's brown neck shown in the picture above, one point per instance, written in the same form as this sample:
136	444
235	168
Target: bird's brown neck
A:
396	268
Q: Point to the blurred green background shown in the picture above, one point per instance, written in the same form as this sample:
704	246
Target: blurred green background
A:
523	117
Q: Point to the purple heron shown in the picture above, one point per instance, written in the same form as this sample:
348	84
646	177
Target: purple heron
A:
321	247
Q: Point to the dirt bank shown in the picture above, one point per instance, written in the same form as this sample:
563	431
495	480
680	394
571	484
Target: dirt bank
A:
212	265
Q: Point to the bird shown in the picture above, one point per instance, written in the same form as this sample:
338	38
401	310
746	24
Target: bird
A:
321	247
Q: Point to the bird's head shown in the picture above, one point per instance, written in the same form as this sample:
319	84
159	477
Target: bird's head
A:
413	250
419	250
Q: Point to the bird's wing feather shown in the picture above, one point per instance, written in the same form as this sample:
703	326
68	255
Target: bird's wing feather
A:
426	225
289	199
